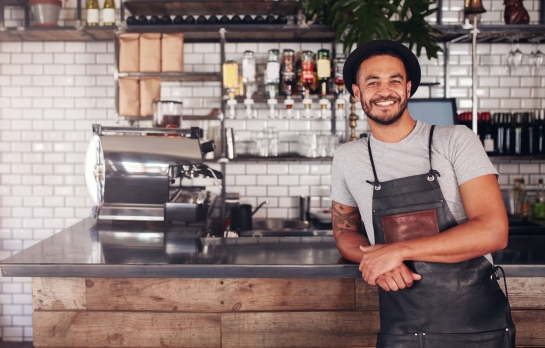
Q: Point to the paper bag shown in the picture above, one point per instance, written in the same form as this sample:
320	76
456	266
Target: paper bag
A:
129	97
172	52
150	52
150	91
129	52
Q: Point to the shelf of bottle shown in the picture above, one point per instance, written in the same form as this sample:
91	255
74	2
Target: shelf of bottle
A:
260	98
493	33
98	33
242	32
211	7
187	118
176	76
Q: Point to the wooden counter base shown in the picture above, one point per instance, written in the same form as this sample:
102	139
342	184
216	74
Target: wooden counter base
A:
177	312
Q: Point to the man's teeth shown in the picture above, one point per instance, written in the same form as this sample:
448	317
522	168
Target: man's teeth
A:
385	103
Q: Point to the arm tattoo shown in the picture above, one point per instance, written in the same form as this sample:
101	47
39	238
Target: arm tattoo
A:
347	220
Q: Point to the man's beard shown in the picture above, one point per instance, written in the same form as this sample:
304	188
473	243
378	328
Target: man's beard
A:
379	118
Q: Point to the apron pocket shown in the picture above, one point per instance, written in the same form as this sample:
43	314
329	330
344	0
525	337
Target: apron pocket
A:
397	341
491	339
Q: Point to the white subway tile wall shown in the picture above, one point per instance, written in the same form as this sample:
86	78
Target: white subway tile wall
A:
52	92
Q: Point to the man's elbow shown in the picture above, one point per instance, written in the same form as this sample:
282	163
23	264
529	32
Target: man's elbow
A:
500	231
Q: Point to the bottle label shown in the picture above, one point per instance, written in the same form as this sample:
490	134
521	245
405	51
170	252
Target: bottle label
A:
489	145
273	71
324	68
92	16
108	15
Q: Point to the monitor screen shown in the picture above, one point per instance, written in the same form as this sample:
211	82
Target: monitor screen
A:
438	111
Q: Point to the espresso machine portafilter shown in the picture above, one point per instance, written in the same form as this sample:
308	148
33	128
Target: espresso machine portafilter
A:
138	173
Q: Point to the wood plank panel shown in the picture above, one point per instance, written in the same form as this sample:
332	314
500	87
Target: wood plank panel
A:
366	295
530	325
300	329
58	294
219	295
526	293
125	329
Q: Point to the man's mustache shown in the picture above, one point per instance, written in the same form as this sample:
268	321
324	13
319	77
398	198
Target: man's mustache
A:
383	99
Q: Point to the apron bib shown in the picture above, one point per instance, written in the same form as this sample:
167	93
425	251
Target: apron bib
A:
453	305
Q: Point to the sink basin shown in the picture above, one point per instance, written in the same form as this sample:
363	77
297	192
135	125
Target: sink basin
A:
279	224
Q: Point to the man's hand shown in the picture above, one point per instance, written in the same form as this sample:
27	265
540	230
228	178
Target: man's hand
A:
383	259
399	278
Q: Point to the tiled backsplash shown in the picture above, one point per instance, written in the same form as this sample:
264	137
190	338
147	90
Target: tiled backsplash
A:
51	93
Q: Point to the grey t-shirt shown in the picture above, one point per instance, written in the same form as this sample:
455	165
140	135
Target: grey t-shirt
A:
457	154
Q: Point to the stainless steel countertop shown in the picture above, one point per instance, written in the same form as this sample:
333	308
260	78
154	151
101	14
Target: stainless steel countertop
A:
157	250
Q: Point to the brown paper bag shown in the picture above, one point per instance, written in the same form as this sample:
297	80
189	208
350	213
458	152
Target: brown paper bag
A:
129	52
150	91
150	52
129	96
172	52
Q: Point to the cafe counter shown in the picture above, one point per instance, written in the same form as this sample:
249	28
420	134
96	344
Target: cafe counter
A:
158	285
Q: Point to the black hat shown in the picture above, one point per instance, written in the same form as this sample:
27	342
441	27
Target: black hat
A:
355	58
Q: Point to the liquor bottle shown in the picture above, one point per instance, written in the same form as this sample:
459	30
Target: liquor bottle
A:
299	88
323	72
92	13
287	72
154	20
166	20
527	134
247	19
213	20
225	20
518	133
259	19
231	83
270	19
339	78
500	134
108	13
189	20
539	205
272	80
249	80
488	134
202	20
308	78
236	19
142	20
178	20
540	132
509	134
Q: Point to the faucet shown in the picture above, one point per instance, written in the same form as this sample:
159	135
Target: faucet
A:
304	208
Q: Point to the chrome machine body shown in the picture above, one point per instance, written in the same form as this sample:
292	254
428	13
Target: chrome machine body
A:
137	173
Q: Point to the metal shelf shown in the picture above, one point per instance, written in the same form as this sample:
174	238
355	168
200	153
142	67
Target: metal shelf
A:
493	33
282	158
186	118
211	7
58	34
175	76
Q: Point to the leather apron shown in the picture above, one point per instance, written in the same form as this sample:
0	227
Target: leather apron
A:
454	305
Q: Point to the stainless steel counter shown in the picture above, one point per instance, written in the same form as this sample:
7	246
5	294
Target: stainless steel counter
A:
157	250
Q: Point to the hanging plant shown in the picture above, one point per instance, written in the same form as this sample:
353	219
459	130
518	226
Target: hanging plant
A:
359	21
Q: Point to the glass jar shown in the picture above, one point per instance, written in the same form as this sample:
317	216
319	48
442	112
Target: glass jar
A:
339	78
249	71
307	70
288	72
272	74
230	76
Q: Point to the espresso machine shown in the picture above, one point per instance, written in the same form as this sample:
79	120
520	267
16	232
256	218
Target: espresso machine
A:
138	174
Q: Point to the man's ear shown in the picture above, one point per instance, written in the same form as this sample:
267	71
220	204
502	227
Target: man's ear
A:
409	87
357	92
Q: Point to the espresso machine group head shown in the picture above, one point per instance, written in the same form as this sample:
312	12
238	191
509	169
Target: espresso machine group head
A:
137	173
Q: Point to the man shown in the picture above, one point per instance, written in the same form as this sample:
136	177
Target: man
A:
420	209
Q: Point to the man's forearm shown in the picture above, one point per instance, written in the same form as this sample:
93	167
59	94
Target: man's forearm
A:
348	242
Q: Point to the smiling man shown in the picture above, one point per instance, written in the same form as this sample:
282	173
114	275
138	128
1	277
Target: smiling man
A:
420	209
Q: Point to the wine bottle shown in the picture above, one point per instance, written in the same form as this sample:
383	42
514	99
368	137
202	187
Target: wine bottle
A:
92	13
236	19
259	19
142	20
189	20
270	19
282	19
213	20
500	133
518	133
201	20
488	139
166	20
108	13
178	20
541	132
528	134
509	134
131	20
224	20
154	20
247	19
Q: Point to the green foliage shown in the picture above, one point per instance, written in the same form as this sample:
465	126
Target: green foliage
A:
359	21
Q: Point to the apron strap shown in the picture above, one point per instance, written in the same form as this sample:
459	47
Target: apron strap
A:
432	173
376	183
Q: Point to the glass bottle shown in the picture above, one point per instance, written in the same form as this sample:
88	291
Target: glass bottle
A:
288	79
190	20
339	78
108	13
249	79
307	79
323	71
272	79
92	13
539	205
231	83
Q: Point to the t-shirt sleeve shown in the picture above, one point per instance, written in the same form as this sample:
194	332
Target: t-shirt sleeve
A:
340	192
468	157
